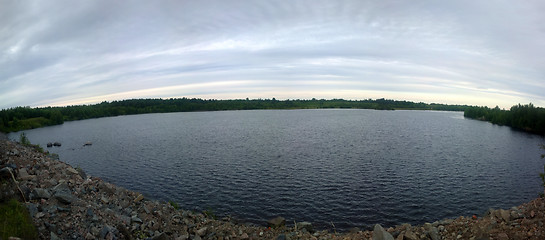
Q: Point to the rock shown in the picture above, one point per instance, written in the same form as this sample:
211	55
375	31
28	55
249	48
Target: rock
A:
281	237
87	144
244	236
160	236
202	231
32	208
380	234
409	235
49	144
23	174
5	173
54	236
65	198
305	225
276	222
57	144
431	231
505	215
72	170
40	193
139	198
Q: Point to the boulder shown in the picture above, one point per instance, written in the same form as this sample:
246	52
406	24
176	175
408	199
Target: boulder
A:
57	144
65	198
5	173
40	193
49	145
276	222
305	225
380	234
431	231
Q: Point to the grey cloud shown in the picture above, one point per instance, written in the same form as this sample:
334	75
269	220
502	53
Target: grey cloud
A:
100	48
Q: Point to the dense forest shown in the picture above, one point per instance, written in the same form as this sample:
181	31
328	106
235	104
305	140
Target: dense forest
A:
21	118
523	117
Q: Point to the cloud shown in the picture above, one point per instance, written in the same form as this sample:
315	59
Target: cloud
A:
467	52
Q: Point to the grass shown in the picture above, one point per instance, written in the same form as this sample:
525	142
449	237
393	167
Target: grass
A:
15	221
174	204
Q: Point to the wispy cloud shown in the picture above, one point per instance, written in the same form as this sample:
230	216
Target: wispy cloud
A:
467	52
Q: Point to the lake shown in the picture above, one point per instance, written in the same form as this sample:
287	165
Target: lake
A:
352	168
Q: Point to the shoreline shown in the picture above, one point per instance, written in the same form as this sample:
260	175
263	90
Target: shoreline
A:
65	203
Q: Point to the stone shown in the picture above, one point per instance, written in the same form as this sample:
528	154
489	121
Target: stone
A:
40	193
5	173
431	231
72	170
54	236
244	236
160	236
276	222
139	198
202	231
57	144
65	198
32	208
23	174
380	234
281	237
305	225
505	215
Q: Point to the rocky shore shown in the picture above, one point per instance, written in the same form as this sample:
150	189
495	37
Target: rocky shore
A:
65	203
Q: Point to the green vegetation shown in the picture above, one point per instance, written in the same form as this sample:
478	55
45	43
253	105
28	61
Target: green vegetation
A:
174	204
21	118
24	140
523	117
15	221
209	212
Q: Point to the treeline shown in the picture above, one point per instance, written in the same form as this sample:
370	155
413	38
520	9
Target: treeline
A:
21	118
523	117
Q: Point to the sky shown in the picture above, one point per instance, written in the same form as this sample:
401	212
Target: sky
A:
486	53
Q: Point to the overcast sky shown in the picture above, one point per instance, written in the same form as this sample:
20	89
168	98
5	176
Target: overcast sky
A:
456	52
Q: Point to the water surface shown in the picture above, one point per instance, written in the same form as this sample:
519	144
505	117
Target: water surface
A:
354	168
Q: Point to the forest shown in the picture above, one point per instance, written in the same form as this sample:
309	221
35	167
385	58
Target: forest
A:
21	118
522	117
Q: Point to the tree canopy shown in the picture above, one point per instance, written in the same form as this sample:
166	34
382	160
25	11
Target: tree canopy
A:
20	118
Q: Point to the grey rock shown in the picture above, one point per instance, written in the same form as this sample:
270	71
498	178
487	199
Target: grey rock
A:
380	234
276	222
23	174
40	193
5	173
305	225
104	231
65	198
90	212
135	219
410	235
61	187
431	231
32	208
57	144
160	236
54	236
202	231
281	237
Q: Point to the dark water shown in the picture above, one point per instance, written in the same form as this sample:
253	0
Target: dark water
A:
354	168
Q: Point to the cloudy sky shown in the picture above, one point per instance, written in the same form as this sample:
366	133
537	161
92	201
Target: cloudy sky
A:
457	52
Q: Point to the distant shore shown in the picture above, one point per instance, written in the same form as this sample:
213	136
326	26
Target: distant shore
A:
64	203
